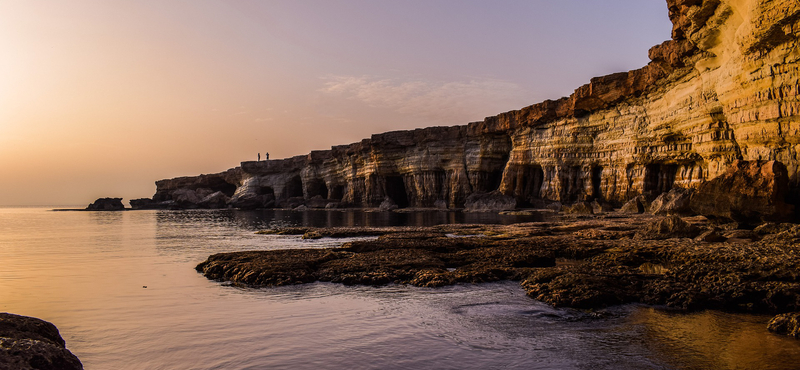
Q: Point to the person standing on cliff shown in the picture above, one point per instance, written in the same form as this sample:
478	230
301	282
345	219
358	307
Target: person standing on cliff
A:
259	157
266	156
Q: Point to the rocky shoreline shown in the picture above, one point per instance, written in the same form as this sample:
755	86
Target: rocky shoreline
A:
577	261
31	343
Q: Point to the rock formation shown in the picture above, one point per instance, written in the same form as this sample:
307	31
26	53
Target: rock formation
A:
31	343
106	204
723	89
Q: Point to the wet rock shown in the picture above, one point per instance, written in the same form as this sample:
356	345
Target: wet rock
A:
489	202
28	343
772	228
666	228
786	324
712	235
106	204
583	208
584	264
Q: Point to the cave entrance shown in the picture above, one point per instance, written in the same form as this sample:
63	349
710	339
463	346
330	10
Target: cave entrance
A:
265	190
337	192
529	184
225	187
573	184
294	187
317	187
495	180
396	189
597	177
659	178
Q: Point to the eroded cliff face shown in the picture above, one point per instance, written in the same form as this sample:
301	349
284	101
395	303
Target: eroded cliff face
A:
725	88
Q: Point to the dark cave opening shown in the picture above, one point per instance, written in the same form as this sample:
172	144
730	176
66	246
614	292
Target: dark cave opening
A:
294	187
265	190
659	178
529	184
317	187
337	193
396	189
597	177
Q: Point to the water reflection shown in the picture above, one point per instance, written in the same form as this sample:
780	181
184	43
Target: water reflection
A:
714	340
274	218
86	273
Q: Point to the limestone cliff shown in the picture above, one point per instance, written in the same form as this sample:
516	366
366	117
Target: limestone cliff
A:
724	88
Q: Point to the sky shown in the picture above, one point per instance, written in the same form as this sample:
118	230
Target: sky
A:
102	98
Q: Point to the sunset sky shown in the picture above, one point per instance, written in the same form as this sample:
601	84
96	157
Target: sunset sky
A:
103	98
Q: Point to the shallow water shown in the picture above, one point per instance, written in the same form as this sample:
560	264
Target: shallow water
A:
122	289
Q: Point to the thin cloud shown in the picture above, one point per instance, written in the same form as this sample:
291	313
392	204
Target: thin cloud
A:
453	102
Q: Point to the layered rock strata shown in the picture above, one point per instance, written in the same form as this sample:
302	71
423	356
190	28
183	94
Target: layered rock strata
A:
724	88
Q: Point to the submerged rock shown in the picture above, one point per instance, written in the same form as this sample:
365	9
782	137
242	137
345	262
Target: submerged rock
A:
786	324
28	343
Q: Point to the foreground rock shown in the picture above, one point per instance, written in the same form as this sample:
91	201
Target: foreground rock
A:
31	343
574	261
106	204
786	324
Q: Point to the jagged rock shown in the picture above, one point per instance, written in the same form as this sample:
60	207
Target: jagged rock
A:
772	228
387	205
786	324
584	208
214	200
747	192
555	206
28	343
740	234
600	207
710	236
186	198
635	205
148	203
319	202
489	202
675	202
106	204
666	228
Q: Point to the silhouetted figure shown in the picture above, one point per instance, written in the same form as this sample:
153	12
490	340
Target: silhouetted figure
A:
259	156
266	156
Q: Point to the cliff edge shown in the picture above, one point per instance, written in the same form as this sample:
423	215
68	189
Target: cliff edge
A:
723	89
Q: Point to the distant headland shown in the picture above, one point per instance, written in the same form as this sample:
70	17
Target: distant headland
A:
721	96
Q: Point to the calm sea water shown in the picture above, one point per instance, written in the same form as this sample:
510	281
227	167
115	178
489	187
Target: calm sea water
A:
122	289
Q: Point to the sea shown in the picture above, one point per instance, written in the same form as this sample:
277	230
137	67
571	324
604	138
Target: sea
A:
122	289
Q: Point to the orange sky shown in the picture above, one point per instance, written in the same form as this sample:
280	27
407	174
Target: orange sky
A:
102	98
